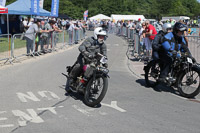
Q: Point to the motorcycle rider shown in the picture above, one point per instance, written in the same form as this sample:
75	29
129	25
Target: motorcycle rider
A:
88	48
157	43
158	40
173	42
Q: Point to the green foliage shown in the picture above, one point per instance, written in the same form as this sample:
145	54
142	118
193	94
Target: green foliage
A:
149	8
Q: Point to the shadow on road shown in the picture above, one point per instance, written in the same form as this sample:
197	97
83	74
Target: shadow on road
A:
76	95
158	88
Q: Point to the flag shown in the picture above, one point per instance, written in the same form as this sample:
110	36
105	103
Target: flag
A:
85	15
54	8
3	3
35	7
41	3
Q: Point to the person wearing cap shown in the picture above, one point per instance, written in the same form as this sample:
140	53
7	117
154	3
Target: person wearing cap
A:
30	36
138	25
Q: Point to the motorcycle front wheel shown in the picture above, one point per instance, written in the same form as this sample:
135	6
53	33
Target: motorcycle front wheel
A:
95	91
189	83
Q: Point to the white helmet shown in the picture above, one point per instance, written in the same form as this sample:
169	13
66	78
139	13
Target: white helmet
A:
99	31
166	26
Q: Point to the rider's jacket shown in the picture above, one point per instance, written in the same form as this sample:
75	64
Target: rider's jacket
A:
91	45
170	44
158	40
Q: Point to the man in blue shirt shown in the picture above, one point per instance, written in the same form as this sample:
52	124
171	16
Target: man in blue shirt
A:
173	42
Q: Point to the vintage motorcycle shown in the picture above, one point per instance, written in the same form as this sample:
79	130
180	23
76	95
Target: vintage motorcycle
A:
95	87
184	75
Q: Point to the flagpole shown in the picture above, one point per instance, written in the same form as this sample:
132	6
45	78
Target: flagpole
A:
8	27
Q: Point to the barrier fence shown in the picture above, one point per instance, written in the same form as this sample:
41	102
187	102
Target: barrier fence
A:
138	47
5	47
18	45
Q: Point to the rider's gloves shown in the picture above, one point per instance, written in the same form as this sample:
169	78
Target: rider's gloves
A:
105	65
87	54
174	53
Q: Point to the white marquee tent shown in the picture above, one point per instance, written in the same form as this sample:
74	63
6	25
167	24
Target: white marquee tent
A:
100	17
126	17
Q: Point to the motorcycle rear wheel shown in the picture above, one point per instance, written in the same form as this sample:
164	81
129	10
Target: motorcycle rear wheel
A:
93	95
152	75
189	83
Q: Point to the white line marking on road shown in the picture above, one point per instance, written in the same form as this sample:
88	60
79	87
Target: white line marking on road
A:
24	118
85	112
3	119
23	97
44	94
1	112
60	106
9	125
114	105
51	109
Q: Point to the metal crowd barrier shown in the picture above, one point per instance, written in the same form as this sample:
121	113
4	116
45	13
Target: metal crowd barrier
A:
14	47
194	46
5	47
19	44
134	39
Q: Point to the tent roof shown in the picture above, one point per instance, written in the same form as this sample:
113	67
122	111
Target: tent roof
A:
23	7
64	16
99	16
127	17
2	6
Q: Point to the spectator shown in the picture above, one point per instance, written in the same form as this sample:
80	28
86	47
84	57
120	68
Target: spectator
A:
30	36
43	37
138	25
71	30
150	35
25	24
84	26
76	28
31	21
67	25
142	36
63	24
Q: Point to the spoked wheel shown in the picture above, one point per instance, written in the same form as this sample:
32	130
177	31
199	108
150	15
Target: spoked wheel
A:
189	83
95	91
152	72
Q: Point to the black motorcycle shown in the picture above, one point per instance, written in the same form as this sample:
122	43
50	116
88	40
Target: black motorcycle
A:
184	75
95	87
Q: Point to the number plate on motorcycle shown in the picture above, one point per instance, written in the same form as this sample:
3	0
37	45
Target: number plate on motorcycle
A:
189	60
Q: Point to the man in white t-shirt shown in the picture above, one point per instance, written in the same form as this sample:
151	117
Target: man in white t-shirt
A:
30	36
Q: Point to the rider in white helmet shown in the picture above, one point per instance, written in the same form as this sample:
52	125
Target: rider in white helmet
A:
157	43
88	48
158	40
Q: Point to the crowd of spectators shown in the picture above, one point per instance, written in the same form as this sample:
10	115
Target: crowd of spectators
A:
44	28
